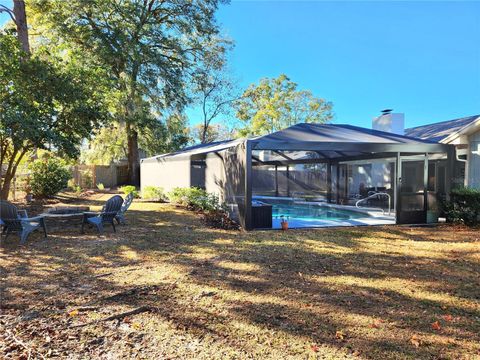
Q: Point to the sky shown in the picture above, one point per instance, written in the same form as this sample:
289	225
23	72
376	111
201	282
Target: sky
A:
419	58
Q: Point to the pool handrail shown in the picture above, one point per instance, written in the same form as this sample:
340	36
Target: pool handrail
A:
375	195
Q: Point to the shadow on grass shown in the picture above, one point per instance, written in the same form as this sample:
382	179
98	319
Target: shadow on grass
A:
303	284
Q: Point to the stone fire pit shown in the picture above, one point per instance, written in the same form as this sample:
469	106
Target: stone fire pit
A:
60	217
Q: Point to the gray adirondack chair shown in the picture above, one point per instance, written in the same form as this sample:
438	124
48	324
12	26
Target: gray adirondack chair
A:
126	204
106	216
14	220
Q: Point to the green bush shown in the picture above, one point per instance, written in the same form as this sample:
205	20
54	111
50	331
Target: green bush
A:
48	177
100	186
464	206
195	198
87	179
153	193
127	189
186	196
214	211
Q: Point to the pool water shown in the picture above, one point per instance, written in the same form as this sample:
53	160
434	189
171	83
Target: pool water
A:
312	212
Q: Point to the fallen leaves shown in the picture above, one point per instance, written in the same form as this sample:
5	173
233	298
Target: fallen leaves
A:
73	313
415	340
436	326
376	324
340	335
448	317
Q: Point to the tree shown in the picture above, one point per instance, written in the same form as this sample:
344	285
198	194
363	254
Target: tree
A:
110	142
215	94
164	137
150	48
44	104
215	132
19	18
275	104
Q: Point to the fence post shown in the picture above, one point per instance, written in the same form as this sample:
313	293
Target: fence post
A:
94	176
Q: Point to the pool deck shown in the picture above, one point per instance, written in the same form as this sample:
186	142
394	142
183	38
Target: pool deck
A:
301	223
373	216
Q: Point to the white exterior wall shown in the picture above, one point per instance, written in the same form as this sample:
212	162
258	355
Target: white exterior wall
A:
474	160
166	174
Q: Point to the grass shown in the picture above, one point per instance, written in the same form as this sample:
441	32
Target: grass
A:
368	293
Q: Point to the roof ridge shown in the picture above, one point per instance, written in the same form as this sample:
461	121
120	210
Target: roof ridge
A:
445	121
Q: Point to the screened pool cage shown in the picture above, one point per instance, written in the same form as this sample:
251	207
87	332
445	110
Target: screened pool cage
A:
339	166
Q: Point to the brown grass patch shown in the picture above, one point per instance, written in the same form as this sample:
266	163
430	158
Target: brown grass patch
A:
373	293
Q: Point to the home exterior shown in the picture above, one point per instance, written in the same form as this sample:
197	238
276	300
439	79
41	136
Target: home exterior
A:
324	167
464	133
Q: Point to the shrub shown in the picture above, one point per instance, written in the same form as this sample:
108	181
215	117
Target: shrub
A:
190	197
196	198
48	177
153	193
214	211
127	189
87	179
464	206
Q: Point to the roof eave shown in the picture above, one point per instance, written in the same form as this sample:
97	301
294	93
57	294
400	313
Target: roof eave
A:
463	131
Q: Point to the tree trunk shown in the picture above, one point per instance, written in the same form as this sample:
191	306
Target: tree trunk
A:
203	140
21	22
10	173
133	156
4	191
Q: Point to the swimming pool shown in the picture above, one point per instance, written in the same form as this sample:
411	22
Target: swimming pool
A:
303	214
305	211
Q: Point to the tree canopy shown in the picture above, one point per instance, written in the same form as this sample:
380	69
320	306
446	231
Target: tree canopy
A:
151	49
275	104
44	104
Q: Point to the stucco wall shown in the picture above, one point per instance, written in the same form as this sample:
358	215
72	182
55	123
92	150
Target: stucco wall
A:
215	175
165	174
474	161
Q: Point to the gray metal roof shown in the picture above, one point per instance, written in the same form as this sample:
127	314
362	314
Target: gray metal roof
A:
439	131
336	133
332	139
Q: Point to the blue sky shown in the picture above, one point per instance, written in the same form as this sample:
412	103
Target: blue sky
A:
420	58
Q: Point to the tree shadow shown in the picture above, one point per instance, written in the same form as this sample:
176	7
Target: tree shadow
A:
301	284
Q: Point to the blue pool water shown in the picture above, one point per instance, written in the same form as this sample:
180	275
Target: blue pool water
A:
311	211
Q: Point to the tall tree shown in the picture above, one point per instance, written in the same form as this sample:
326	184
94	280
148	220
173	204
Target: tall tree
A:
214	132
275	104
150	48
43	104
215	94
19	17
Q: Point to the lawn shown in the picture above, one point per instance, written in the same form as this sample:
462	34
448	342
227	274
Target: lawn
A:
368	293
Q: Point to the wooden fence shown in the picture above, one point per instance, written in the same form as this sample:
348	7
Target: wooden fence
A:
89	176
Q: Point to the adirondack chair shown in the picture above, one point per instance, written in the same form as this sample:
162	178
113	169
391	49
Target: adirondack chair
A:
14	220
126	204
107	215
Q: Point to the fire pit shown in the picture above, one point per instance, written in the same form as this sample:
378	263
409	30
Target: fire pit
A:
67	210
59	217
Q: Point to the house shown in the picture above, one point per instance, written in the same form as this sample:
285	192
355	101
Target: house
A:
464	133
316	175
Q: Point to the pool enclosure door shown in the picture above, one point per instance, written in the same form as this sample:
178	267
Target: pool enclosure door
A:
412	190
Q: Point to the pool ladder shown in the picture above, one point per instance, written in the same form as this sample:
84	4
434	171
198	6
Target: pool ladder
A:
376	195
